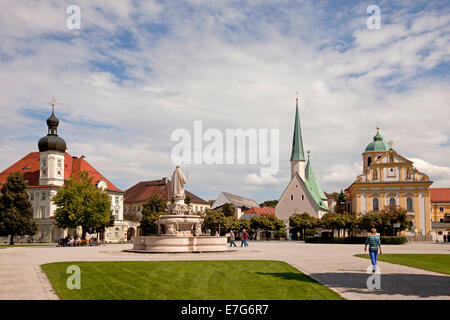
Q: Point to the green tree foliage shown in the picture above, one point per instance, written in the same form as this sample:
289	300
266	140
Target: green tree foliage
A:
333	221
303	222
151	211
80	203
228	210
385	220
269	203
16	211
187	200
215	220
266	222
132	216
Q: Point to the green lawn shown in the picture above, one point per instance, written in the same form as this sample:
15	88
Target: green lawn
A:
28	245
432	262
187	280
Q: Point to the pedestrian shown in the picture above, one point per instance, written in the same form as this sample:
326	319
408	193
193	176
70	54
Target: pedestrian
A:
77	241
232	238
374	243
244	238
217	234
445	237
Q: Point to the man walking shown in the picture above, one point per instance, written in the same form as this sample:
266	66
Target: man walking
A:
244	238
232	238
374	243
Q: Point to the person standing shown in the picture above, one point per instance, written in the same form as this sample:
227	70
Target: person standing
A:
232	238
244	238
445	237
373	241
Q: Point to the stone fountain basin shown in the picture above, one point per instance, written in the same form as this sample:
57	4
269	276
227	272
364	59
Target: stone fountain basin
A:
169	244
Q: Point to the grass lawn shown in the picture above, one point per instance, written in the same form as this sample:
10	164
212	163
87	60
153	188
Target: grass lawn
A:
2	246
432	262
187	280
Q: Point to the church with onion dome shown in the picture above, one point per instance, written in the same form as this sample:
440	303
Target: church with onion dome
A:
389	179
47	170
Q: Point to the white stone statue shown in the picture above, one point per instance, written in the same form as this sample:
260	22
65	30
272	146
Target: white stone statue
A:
178	182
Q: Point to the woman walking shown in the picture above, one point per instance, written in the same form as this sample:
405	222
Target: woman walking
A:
232	238
374	243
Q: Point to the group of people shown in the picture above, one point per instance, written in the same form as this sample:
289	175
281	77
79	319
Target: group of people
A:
70	241
244	238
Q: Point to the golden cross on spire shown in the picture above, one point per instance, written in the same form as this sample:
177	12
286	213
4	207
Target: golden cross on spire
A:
53	103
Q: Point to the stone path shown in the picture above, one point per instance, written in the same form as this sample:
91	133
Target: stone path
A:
333	265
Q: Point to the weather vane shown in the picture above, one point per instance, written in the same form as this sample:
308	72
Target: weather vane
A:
53	103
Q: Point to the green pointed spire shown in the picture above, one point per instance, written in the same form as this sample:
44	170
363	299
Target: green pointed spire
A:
297	143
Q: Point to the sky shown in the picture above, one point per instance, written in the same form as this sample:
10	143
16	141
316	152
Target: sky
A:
136	71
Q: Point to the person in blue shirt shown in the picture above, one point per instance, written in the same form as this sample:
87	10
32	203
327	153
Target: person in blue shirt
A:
373	241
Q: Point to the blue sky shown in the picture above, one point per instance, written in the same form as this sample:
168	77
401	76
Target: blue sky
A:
136	71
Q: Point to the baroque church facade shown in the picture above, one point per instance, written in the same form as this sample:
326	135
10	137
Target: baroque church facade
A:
389	179
46	172
304	192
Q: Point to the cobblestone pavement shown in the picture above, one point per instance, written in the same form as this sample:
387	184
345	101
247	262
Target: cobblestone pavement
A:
333	265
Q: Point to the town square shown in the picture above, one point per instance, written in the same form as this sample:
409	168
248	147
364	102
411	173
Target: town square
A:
238	150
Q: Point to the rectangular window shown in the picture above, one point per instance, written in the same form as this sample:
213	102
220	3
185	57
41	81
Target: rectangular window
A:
43	195
292	197
32	196
303	197
116	215
117	200
42	212
441	209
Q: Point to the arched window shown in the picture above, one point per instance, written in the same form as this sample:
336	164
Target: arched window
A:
369	161
409	204
392	201
376	204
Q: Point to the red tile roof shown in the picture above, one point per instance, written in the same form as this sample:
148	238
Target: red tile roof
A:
260	211
142	191
29	167
440	194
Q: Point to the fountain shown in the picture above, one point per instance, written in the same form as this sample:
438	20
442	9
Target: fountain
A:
179	230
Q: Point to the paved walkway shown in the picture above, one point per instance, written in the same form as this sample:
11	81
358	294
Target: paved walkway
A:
333	265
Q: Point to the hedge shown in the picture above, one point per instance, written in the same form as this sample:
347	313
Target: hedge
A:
354	240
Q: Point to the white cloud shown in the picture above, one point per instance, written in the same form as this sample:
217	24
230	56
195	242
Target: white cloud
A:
254	179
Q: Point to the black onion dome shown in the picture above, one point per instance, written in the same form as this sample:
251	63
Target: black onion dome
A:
52	141
52	121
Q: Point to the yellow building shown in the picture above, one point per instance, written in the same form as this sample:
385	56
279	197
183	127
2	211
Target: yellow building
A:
440	204
390	179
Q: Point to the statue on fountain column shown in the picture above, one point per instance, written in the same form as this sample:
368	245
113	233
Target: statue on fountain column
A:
177	187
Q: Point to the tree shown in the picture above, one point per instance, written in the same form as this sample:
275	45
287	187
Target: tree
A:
187	200
79	203
228	210
333	221
151	210
266	223
214	221
269	203
16	211
385	220
302	222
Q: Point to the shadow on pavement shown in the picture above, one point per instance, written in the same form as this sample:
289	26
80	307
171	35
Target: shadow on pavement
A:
289	276
420	285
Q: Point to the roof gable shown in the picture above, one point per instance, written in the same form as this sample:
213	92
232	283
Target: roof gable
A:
29	166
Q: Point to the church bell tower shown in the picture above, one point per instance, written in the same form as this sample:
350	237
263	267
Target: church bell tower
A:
52	151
